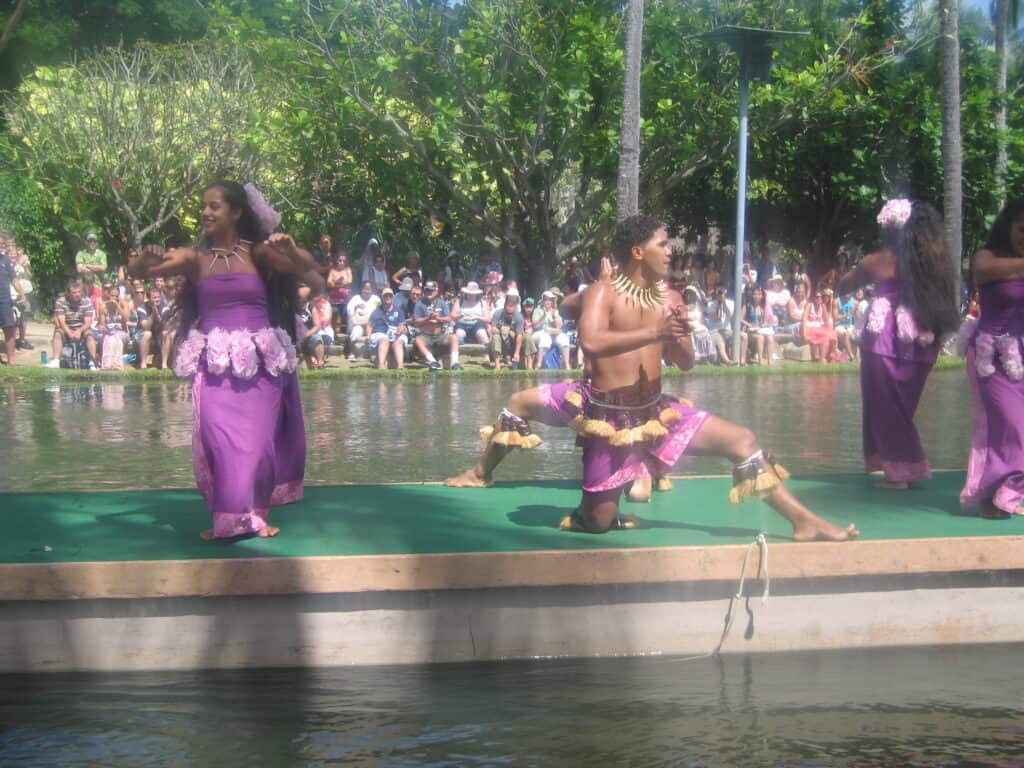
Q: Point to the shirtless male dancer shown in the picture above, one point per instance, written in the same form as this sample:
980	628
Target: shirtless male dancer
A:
631	430
512	429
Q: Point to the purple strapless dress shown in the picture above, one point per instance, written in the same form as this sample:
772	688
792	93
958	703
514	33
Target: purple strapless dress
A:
895	362
248	436
995	471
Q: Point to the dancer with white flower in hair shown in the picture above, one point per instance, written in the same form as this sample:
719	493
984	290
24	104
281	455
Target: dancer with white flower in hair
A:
914	307
238	323
995	473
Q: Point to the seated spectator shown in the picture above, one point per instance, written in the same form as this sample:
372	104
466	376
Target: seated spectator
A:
403	299
548	324
73	316
759	327
816	327
411	270
719	322
678	271
777	296
506	331
862	299
339	278
845	309
317	333
116	314
704	350
470	317
712	277
149	331
795	308
432	318
170	322
490	272
388	332
359	309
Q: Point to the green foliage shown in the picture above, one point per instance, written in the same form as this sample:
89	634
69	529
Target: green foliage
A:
27	215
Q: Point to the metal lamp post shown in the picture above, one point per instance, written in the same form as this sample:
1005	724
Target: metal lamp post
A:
755	52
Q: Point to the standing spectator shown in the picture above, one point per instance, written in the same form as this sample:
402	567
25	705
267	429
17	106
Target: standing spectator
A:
374	266
490	272
123	280
323	257
796	276
432	318
9	288
548	324
339	278
387	331
704	350
470	316
171	321
23	271
506	330
529	352
149	332
451	276
359	309
73	315
92	260
765	264
712	277
411	270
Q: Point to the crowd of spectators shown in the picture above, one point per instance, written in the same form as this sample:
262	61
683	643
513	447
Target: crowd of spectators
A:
391	315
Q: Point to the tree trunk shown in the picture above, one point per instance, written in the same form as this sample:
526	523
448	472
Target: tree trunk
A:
952	172
1002	22
629	152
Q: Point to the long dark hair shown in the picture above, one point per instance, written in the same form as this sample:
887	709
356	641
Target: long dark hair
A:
282	289
925	270
999	236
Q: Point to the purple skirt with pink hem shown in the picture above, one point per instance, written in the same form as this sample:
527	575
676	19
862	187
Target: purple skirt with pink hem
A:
607	467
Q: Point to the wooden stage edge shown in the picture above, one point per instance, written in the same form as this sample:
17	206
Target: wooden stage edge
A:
481	571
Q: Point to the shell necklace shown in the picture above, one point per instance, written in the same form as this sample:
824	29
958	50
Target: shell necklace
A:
645	297
239	249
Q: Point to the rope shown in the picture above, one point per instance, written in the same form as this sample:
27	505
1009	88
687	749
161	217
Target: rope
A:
761	543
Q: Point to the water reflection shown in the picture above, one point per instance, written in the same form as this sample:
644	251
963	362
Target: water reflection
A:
883	707
91	435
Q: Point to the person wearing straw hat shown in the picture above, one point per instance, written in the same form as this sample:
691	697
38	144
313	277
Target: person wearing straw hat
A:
470	315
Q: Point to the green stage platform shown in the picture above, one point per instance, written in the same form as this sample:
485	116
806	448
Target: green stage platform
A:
420	519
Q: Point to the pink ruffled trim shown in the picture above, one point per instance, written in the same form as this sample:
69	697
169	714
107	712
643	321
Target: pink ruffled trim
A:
237	352
906	327
899	471
968	328
229	526
987	347
287	493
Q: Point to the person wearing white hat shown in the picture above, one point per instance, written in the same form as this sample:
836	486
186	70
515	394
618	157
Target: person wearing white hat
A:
91	259
470	315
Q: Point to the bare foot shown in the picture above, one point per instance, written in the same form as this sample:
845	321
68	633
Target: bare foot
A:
640	491
662	484
892	485
268	532
990	511
468	479
207	535
817	529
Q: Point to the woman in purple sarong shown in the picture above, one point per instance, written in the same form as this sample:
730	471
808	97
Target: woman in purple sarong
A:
995	472
914	306
238	311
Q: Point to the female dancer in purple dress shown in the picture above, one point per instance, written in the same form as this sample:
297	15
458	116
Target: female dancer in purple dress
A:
913	308
995	473
248	437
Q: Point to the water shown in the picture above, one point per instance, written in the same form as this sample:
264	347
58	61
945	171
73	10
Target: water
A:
117	436
951	707
922	707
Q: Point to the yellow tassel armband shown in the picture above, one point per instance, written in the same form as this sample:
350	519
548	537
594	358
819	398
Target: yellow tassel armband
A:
511	431
751	478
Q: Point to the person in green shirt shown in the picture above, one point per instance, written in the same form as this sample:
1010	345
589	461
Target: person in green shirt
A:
92	259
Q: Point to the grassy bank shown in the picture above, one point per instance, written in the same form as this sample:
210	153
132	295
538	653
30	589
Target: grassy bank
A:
38	376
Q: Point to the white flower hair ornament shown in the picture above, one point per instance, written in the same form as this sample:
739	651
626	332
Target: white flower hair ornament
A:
894	213
266	216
